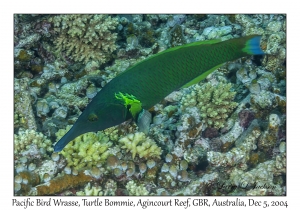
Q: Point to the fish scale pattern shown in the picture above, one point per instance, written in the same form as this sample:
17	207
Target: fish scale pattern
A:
170	71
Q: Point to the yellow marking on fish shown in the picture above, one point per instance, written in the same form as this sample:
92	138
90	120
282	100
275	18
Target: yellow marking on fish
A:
131	102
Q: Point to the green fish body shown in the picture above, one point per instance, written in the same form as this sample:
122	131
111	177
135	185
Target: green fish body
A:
148	82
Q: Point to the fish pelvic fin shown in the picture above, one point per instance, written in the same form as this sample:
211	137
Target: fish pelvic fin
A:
144	120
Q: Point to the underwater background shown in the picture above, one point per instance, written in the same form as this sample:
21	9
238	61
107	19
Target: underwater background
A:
194	146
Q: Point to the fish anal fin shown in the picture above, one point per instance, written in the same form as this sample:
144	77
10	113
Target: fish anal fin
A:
201	77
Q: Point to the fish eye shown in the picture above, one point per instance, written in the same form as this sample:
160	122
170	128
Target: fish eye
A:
92	117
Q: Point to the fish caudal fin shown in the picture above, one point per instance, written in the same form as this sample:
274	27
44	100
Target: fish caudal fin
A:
252	45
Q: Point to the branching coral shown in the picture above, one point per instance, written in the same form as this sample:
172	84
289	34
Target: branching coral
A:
90	190
214	102
85	37
139	144
86	150
30	143
135	189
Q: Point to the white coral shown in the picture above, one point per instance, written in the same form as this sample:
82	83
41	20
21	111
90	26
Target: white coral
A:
135	189
139	144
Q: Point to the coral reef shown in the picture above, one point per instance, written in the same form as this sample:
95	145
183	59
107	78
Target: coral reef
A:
90	190
139	144
135	189
31	171
199	186
61	183
223	136
217	32
246	117
238	155
270	137
31	144
68	94
85	37
248	24
22	104
215	103
24	181
260	180
86	150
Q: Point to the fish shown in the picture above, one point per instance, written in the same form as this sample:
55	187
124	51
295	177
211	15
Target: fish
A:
133	92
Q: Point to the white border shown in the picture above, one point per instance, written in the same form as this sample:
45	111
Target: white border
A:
152	6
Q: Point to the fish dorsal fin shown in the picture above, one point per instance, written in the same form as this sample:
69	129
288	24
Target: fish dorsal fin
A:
201	77
214	41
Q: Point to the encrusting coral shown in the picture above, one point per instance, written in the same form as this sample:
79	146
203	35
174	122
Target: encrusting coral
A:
61	183
238	155
85	37
86	150
69	94
214	102
260	180
269	138
198	186
139	144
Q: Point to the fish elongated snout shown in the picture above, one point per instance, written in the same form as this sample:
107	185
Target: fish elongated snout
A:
69	136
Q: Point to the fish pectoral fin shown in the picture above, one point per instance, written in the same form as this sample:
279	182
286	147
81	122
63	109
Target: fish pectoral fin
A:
201	77
144	120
